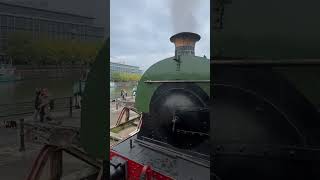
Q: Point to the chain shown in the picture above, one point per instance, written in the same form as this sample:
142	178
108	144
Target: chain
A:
218	15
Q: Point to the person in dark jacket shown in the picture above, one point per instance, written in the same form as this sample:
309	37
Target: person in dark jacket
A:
122	94
45	105
37	104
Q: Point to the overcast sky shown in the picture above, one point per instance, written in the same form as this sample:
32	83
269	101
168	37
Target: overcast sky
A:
140	29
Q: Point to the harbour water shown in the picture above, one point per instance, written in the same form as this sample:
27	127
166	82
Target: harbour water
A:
24	90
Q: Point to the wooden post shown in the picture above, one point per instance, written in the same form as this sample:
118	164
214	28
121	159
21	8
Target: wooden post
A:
22	146
70	106
55	171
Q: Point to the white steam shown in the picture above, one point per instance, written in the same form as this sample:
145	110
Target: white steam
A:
182	13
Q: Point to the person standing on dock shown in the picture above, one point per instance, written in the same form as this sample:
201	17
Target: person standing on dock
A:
122	94
44	106
37	104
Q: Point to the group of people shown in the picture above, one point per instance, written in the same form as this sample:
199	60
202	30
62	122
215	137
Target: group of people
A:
42	105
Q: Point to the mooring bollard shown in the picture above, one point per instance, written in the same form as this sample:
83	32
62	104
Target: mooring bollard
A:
22	146
70	108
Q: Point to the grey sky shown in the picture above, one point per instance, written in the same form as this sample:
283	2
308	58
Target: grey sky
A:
140	29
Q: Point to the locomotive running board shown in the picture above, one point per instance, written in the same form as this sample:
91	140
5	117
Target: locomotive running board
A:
203	161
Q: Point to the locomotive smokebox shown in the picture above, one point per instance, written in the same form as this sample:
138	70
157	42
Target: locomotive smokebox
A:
185	43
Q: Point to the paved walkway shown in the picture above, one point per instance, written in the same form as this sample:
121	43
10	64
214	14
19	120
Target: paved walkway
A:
15	165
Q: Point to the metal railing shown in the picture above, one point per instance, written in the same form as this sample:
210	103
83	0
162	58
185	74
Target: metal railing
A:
20	110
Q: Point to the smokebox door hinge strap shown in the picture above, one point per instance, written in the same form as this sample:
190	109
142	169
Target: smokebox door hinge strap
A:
177	59
178	66
219	13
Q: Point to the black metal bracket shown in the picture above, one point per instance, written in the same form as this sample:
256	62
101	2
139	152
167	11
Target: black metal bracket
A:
118	169
267	151
197	158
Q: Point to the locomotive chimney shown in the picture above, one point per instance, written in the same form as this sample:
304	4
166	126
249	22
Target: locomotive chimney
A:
185	43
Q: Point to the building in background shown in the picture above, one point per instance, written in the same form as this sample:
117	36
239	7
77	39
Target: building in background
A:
124	68
92	8
57	25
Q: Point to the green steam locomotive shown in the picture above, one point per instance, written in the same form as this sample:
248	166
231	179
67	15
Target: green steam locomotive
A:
173	96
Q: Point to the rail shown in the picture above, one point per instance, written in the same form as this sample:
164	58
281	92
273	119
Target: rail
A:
19	110
266	62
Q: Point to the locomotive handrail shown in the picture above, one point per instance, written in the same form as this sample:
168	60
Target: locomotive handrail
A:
201	158
297	152
266	62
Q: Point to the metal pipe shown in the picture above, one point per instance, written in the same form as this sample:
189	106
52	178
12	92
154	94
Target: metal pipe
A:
70	106
127	114
265	62
22	145
56	161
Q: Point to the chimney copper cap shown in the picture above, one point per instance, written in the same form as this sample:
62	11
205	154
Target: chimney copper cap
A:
186	36
185	43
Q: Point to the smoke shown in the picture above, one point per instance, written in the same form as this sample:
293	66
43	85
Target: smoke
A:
182	13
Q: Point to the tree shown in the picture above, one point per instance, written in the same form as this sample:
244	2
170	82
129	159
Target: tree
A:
23	49
19	46
124	77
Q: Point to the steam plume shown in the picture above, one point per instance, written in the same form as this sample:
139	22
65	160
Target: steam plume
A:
182	13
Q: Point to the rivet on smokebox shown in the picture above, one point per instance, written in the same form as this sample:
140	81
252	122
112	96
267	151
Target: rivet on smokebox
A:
242	148
292	153
219	148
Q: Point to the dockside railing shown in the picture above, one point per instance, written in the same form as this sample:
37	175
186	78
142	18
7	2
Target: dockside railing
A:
18	110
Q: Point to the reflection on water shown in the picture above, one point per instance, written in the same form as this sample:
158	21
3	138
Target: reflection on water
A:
11	92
